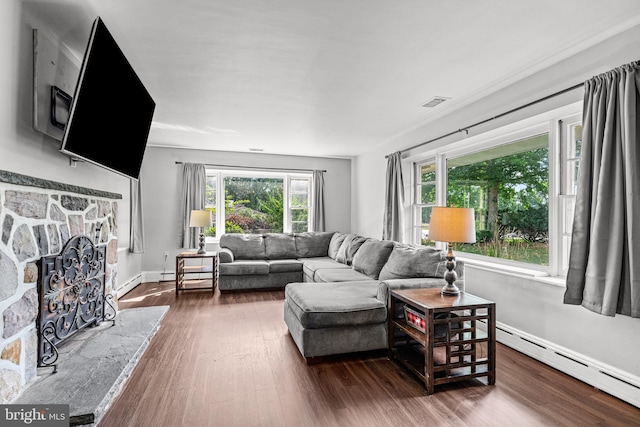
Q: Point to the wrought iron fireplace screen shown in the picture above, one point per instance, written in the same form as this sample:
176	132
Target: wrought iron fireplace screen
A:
72	295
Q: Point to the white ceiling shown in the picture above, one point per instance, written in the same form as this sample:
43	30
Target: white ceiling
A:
327	77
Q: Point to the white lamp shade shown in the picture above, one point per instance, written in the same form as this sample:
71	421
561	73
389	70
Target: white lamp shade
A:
453	225
200	219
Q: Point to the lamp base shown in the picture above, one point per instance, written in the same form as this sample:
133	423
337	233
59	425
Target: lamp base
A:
450	276
450	289
202	250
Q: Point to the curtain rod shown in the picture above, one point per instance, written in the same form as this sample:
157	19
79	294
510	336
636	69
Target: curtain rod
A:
258	168
466	129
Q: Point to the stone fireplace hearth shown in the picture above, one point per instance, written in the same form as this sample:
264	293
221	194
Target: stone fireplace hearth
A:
36	218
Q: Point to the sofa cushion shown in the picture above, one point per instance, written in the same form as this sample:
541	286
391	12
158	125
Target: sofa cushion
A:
284	265
313	243
339	275
311	265
410	261
244	246
334	244
371	257
280	246
349	247
335	304
244	267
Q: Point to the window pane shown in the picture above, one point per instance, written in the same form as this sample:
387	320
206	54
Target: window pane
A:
210	201
428	173
299	200
299	215
299	189
508	188
300	186
575	149
427	186
425	219
299	227
253	205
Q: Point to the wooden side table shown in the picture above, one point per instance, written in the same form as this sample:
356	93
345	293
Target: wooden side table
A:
183	269
450	329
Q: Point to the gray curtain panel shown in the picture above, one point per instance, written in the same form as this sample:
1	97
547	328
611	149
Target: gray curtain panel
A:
136	237
318	200
604	267
393	224
194	184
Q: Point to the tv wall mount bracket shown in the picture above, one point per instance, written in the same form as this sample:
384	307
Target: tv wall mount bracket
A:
65	98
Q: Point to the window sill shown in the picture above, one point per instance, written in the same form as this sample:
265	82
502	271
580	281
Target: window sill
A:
517	271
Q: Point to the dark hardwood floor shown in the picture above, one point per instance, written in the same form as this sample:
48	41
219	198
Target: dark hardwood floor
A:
228	360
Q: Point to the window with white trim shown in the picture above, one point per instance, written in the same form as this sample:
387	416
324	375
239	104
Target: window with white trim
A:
424	200
508	187
258	202
571	150
521	181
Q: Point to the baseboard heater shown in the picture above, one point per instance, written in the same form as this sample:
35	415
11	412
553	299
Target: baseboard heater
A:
606	378
129	285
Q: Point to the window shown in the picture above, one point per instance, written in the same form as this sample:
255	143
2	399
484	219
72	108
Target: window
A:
299	190
257	202
571	149
508	186
425	199
521	181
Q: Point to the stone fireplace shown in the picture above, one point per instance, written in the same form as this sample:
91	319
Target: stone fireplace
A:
37	217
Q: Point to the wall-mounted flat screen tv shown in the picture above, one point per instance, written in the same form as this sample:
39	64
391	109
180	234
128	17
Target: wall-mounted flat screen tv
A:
111	111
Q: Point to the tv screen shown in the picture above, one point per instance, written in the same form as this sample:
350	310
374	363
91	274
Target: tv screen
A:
111	110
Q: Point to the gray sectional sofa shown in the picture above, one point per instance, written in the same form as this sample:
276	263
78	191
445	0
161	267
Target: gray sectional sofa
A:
336	284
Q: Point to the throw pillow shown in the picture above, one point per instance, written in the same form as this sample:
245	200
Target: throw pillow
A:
412	262
334	245
349	247
372	256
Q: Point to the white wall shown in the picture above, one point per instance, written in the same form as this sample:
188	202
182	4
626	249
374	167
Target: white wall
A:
526	304
161	180
26	151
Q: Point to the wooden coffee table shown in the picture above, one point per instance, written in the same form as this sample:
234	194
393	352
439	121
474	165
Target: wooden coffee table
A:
451	347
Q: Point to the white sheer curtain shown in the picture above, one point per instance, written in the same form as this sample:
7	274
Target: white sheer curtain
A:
604	273
393	224
136	235
318	201
194	184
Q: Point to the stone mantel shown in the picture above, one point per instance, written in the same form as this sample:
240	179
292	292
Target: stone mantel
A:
29	181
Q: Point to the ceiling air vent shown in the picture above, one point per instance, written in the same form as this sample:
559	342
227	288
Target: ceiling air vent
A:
436	100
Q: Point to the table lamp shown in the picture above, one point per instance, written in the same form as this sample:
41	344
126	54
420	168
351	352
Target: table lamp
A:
200	219
452	225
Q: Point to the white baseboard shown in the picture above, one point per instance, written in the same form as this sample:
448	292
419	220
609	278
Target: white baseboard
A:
158	276
129	285
611	380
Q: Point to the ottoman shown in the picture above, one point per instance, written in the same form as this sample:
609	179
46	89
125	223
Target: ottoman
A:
335	318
